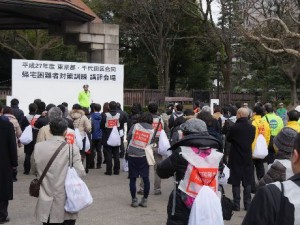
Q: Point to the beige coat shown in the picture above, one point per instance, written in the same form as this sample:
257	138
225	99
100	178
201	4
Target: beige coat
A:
16	124
45	134
52	195
80	121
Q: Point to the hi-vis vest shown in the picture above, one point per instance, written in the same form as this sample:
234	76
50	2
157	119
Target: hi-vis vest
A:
70	136
112	121
141	137
155	124
200	171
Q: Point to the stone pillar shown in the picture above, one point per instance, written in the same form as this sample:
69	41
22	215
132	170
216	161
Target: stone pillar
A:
100	41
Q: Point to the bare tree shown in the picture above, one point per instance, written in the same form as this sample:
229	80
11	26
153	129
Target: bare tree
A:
275	25
221	34
29	44
155	24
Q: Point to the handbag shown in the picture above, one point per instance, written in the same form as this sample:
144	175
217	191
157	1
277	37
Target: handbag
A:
227	205
34	187
149	155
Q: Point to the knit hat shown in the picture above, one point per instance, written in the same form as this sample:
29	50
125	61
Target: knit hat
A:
193	125
284	141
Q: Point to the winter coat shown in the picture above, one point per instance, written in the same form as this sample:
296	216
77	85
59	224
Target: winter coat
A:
96	130
268	204
45	133
81	122
52	195
41	121
280	170
241	136
18	113
28	149
16	125
107	131
173	117
133	119
8	159
261	127
177	164
294	125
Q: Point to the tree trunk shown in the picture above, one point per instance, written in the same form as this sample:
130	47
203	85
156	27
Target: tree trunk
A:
294	96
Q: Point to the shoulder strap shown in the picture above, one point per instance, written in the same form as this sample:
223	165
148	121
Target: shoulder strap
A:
50	162
156	129
279	216
267	119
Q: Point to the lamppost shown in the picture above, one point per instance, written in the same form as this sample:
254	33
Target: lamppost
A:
218	59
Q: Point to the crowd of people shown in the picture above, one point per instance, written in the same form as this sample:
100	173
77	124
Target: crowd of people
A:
203	141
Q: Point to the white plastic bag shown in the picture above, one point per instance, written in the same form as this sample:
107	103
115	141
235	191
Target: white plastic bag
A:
149	155
261	148
114	137
206	209
78	139
87	145
78	194
163	144
121	132
124	165
223	178
26	136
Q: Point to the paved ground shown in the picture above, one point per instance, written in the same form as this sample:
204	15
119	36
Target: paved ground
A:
111	202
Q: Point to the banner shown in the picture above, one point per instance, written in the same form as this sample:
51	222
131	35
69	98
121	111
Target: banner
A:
56	82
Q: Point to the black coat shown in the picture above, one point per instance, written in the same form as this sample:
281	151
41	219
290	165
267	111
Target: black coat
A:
176	163
8	159
241	136
28	149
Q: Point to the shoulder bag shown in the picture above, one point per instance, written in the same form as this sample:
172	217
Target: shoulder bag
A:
34	188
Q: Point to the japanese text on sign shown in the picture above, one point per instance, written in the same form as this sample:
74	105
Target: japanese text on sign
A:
140	139
200	177
68	71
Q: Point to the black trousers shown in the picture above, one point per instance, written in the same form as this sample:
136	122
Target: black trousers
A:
3	209
260	172
122	148
271	152
66	222
236	191
27	164
112	152
259	166
96	149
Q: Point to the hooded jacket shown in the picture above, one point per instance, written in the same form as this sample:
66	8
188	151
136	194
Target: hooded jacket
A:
80	121
96	130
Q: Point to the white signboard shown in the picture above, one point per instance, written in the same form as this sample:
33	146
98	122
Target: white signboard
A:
212	103
56	82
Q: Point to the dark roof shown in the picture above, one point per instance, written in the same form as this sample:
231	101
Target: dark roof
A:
35	14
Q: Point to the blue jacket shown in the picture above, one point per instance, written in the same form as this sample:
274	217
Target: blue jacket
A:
96	130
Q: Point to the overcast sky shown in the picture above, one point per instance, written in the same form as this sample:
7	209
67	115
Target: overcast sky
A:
215	9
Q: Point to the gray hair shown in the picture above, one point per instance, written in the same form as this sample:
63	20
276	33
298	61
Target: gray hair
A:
54	113
206	108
